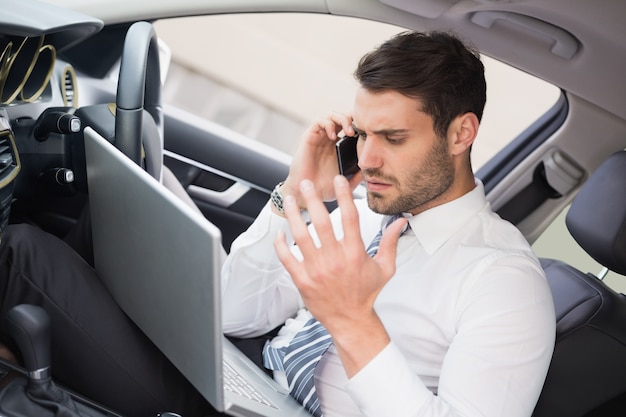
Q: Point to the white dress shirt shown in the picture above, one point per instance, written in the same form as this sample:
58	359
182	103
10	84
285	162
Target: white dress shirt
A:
469	314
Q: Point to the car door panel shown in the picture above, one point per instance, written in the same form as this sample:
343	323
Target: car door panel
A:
227	175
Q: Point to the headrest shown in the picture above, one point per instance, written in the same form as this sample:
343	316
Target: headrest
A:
597	217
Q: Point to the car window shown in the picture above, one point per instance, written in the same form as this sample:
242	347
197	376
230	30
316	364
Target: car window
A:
268	76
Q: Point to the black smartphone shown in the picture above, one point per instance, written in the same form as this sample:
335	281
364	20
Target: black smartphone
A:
346	155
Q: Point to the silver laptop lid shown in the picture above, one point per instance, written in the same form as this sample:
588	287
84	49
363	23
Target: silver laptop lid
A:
140	257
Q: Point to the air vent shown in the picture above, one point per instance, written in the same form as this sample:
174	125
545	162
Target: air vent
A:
9	168
69	87
9	160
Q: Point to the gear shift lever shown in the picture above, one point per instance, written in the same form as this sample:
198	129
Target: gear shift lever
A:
29	326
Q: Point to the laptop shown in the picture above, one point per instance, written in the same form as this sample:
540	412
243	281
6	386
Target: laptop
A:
166	276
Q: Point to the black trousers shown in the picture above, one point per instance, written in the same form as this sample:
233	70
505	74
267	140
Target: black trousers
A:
97	351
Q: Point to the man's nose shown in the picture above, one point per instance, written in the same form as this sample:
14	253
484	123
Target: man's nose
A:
369	153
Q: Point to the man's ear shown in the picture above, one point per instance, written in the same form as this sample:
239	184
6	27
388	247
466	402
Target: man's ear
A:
462	132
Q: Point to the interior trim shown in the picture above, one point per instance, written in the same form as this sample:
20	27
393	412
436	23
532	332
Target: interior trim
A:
214	171
224	198
562	43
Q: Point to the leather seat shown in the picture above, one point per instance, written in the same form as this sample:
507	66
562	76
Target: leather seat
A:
587	375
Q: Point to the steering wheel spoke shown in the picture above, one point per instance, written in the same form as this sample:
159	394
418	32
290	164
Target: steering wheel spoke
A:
138	96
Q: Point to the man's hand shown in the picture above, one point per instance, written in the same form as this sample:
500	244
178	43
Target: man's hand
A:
338	280
316	158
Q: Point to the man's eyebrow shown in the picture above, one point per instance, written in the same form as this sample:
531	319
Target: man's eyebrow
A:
383	131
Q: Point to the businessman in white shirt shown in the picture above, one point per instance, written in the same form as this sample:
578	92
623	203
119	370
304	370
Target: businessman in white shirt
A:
452	316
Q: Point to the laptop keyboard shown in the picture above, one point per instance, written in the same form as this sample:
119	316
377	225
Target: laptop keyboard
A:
234	382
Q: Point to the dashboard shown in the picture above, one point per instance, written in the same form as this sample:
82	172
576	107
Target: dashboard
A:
38	98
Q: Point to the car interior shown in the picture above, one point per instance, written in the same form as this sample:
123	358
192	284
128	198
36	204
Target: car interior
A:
66	65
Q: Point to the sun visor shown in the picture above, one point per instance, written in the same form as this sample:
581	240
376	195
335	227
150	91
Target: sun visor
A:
62	27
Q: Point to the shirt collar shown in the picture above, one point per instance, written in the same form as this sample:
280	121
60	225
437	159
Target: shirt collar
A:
435	226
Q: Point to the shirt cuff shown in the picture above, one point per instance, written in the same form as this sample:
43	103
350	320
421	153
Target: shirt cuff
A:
260	237
387	387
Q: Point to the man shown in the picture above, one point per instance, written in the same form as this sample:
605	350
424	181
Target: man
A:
452	316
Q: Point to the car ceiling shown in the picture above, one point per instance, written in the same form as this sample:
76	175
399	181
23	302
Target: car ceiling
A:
561	41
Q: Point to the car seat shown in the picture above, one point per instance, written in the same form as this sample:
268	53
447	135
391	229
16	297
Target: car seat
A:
587	374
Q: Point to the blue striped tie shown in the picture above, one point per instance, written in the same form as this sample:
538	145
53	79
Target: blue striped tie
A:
301	356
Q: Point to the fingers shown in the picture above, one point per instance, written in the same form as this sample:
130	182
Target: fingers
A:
315	268
319	218
349	214
286	257
319	215
335	123
386	256
299	229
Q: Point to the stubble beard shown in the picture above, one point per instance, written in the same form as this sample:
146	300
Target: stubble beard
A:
422	185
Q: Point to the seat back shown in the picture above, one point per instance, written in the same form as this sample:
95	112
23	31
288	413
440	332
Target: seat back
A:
588	368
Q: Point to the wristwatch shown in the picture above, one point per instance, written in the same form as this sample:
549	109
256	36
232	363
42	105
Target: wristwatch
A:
277	201
277	197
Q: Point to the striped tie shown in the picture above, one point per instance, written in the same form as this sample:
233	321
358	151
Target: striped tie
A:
301	356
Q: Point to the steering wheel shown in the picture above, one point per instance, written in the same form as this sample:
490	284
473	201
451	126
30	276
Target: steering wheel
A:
138	93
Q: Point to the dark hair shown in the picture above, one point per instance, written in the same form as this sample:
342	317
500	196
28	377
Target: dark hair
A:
437	68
